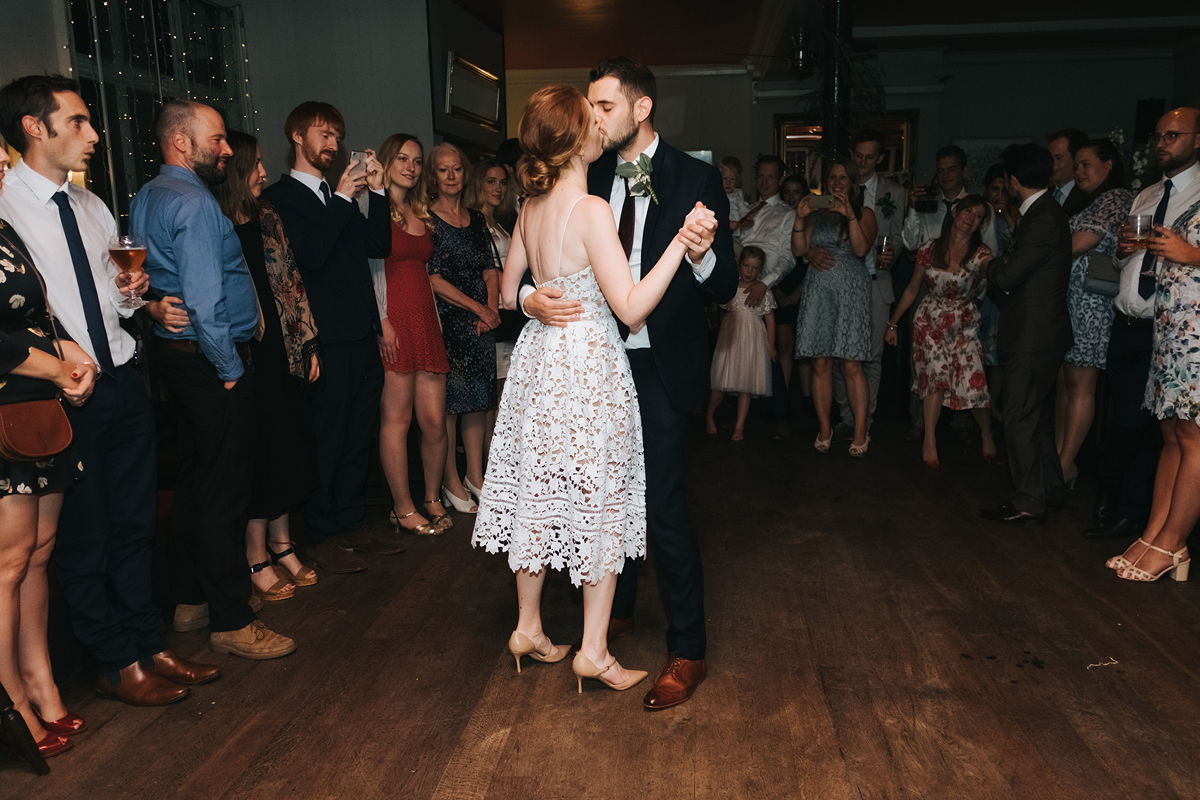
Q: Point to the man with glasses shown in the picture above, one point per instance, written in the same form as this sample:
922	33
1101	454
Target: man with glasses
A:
1129	463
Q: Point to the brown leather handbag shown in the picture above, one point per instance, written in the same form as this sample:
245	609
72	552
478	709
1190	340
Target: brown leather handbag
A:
35	429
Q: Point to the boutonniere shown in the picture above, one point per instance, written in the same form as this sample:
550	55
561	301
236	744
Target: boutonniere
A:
638	175
886	205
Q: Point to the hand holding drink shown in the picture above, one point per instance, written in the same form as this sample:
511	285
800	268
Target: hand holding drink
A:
128	253
885	252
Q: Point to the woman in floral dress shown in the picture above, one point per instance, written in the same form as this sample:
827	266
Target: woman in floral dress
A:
1099	173
1173	394
947	352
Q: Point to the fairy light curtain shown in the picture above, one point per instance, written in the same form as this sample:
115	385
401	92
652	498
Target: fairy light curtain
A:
129	56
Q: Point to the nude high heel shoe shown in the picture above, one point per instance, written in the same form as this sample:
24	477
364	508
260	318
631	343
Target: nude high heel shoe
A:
583	667
521	645
1116	562
1133	572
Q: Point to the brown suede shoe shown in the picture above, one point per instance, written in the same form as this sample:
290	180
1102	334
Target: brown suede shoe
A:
364	541
255	641
332	558
676	683
137	687
179	670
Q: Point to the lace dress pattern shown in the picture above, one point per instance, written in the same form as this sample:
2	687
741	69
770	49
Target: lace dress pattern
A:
566	477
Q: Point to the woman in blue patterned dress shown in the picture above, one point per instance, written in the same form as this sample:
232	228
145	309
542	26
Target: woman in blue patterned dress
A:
466	283
1099	173
834	320
1173	395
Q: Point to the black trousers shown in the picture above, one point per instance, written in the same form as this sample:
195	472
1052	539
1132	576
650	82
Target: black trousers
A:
676	547
1128	465
104	533
1028	413
345	406
212	493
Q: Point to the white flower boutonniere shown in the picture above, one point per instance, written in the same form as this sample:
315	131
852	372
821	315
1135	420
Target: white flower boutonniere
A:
638	175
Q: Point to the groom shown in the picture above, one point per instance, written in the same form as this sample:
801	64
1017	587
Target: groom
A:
668	356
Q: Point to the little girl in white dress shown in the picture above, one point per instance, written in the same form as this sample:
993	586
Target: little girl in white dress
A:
745	346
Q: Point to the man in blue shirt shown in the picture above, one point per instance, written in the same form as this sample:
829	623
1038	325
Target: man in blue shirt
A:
194	254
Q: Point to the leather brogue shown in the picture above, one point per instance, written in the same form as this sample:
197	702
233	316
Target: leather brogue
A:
169	665
676	683
1115	529
1009	513
137	687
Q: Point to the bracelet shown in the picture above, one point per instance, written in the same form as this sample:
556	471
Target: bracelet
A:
892	327
797	230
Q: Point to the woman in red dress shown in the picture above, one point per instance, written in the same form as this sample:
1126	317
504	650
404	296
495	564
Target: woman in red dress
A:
947	353
414	356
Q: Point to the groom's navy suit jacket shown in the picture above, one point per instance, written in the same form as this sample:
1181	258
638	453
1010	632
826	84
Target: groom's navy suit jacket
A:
678	328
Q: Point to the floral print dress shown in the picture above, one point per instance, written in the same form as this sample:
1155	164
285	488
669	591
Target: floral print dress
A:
25	325
947	352
1092	313
1174	386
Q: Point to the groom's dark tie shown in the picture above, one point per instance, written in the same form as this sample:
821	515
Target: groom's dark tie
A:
625	227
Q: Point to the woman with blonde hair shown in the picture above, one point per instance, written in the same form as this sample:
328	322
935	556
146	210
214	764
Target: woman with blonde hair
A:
411	346
566	480
465	280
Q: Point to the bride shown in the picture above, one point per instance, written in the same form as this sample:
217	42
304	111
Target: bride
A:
566	480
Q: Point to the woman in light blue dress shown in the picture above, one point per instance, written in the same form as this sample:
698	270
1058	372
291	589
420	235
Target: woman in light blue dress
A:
835	310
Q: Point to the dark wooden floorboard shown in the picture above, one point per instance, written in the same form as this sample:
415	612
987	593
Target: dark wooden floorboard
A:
870	638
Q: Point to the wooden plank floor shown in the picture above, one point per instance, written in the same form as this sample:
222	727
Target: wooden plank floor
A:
870	637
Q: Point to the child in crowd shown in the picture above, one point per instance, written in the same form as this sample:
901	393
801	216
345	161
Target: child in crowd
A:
731	179
745	346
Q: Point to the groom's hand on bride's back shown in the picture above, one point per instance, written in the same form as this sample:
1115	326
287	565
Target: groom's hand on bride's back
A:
548	306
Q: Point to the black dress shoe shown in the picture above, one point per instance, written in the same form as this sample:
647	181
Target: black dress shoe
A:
1008	513
1104	512
1115	529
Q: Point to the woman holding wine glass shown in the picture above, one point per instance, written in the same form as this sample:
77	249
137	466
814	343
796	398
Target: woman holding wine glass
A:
285	361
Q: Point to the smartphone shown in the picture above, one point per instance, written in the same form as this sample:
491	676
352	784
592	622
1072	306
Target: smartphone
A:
928	202
358	161
820	201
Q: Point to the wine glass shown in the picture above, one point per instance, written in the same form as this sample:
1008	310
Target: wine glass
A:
128	253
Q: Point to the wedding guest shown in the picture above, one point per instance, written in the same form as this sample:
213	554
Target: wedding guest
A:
331	241
1173	397
414	357
1005	216
490	193
192	253
285	362
463	272
1127	466
787	305
745	347
769	227
1094	230
1063	146
835	310
37	362
946	347
1030	284
102	550
886	199
731	182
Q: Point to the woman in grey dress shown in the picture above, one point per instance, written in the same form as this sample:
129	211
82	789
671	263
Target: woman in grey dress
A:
835	309
1094	231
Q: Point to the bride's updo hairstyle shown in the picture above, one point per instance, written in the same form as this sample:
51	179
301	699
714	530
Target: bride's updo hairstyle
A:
554	126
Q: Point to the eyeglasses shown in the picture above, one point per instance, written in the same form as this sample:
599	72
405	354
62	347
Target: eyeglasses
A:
1168	138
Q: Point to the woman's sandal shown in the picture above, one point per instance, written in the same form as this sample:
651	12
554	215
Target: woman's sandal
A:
426	529
281	589
1132	572
443	522
305	576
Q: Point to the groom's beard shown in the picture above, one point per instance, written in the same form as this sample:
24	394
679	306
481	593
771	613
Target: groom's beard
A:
620	139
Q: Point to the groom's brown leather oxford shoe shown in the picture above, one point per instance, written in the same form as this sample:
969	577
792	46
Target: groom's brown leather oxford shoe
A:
676	683
179	670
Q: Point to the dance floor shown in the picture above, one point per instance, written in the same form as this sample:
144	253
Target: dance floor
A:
869	637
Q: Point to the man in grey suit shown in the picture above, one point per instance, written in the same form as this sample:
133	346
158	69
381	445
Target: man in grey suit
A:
1030	287
887	199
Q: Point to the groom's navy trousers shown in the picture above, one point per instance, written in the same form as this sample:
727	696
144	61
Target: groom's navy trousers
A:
673	539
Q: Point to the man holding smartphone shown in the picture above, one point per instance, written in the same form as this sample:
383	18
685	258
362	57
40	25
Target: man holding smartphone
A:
332	240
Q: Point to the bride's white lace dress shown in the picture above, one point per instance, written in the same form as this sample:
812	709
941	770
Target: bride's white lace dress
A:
566	478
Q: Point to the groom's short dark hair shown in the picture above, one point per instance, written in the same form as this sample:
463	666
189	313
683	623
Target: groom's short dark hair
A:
1031	164
636	79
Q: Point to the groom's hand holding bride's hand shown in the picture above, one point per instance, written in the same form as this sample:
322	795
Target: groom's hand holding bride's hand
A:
548	306
698	231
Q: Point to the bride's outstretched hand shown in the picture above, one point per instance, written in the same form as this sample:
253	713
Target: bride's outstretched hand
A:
698	231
